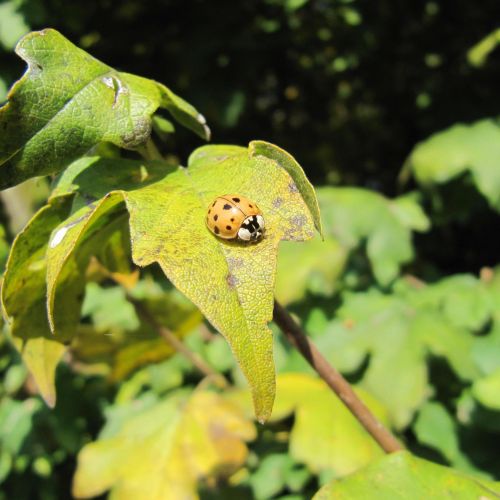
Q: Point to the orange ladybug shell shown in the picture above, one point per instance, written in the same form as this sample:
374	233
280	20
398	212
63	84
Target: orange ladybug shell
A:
226	214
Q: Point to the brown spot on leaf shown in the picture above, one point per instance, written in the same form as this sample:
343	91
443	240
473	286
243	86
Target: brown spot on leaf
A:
298	220
277	202
235	262
232	280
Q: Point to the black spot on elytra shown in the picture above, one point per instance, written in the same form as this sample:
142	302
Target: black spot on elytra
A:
251	206
213	204
216	217
232	220
216	230
227	206
237	200
209	211
228	228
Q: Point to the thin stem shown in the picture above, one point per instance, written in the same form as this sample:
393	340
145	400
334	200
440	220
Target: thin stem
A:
149	151
164	332
334	379
177	345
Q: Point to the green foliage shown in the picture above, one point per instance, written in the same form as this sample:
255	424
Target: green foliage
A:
179	445
12	24
176	203
419	336
356	216
471	148
400	475
91	104
402	329
24	298
479	54
339	446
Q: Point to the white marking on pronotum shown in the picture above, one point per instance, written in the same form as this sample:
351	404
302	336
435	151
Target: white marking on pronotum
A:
58	237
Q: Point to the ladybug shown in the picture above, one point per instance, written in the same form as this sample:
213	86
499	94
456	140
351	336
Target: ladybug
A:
233	216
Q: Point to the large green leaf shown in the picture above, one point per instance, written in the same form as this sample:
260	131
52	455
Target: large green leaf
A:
356	216
67	102
24	302
231	283
401	476
473	148
162	450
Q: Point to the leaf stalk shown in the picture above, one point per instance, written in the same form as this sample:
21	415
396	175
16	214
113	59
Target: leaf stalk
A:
196	360
298	338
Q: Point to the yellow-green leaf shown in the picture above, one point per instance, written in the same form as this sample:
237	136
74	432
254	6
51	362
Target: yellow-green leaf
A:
23	298
162	452
288	163
401	476
325	436
231	283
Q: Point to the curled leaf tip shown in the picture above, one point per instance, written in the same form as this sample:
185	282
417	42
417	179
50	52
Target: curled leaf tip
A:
300	182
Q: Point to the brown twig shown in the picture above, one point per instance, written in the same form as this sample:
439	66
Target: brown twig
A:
176	344
334	379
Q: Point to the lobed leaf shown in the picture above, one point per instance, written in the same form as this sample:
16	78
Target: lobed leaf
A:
354	216
161	451
67	102
231	283
396	333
